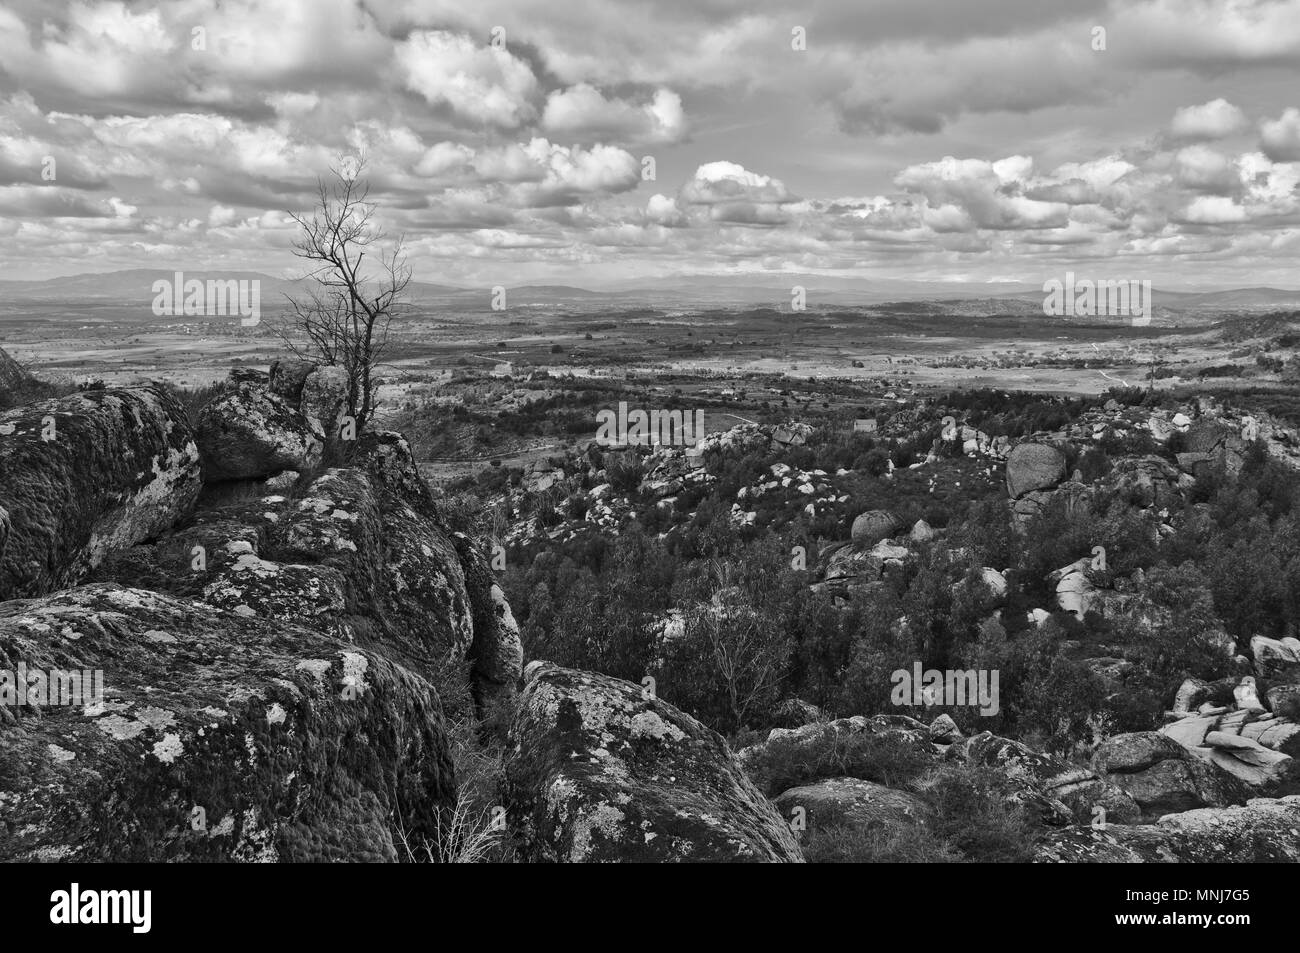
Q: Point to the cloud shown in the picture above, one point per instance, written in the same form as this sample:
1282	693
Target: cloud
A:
921	87
663	210
583	111
989	193
1214	210
479	84
1203	169
566	175
916	138
1216	119
37	202
442	158
726	182
1280	138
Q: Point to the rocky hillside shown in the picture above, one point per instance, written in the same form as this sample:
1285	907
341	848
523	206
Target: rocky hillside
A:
273	633
296	655
1099	565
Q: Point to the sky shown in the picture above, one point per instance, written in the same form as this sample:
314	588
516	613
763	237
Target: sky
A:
598	143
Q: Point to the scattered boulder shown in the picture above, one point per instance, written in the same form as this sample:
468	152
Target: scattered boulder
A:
851	802
85	475
791	434
599	770
1209	436
216	738
1264	830
1162	776
1258	749
996	582
794	713
1078	789
1191	693
249	434
1030	505
944	731
1247	696
324	399
1276	658
1074	590
1212	442
1034	466
874	525
287	378
1143	482
1244	758
1162	430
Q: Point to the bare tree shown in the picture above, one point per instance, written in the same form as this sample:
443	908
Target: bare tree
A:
350	303
744	649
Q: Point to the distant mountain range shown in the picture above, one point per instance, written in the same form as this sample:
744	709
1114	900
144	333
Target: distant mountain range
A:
135	287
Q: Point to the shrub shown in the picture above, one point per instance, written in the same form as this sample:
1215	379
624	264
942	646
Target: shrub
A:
977	811
888	759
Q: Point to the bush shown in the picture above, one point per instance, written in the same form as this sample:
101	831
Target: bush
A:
887	759
977	811
974	817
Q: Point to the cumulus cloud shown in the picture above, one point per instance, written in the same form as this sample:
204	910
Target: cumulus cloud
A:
726	182
1214	210
584	111
478	83
1280	138
1216	119
663	210
921	137
567	174
989	193
1204	169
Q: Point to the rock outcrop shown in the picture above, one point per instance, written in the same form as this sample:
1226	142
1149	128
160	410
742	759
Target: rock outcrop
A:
360	555
324	399
1147	481
1246	739
1264	830
85	475
286	380
1049	781
872	526
600	771
216	738
1162	776
250	433
12	374
850	802
1033	466
496	653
